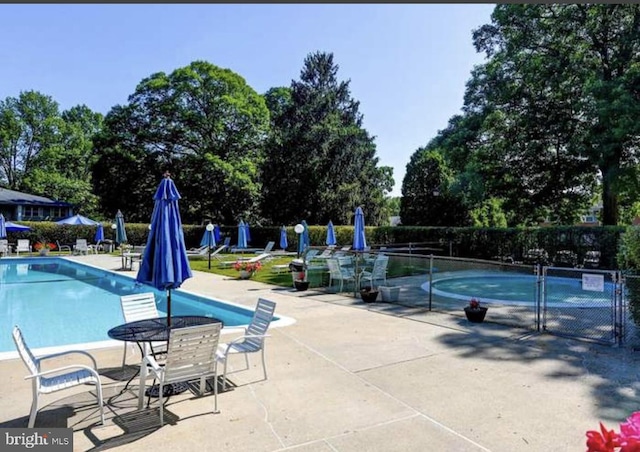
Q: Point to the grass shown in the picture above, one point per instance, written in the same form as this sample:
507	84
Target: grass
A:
265	275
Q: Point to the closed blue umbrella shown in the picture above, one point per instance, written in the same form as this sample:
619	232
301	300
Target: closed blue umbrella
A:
3	227
304	241
359	239
331	235
247	232
283	238
99	237
208	239
121	233
77	220
216	233
165	264
242	235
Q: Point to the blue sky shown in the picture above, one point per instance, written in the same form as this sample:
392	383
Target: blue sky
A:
408	64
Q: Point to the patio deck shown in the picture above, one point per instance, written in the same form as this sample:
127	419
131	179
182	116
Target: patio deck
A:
352	377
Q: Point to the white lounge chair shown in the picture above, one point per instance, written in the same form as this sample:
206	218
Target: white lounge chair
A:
23	245
267	249
253	339
198	251
253	260
140	306
191	354
52	380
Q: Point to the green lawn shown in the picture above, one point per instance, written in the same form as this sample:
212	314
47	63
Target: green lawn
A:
265	275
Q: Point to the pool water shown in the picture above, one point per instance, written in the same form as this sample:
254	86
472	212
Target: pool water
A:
519	289
56	302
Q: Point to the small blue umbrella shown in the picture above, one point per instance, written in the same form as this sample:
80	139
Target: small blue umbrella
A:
331	235
3	227
78	220
14	227
216	233
208	239
283	238
242	235
165	264
247	232
304	241
121	232
359	239
99	237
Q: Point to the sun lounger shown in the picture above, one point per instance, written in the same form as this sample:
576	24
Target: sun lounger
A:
253	260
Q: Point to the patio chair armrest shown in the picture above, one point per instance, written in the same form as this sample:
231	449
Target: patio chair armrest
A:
153	364
70	352
60	369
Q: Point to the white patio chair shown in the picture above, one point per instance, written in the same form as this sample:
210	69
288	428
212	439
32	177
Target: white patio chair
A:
191	354
140	306
253	339
43	383
81	247
4	247
23	245
339	273
63	247
377	273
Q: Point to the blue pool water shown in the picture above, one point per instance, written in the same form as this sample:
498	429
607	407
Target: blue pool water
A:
57	302
518	289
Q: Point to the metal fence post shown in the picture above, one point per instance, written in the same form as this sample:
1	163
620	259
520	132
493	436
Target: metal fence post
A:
430	280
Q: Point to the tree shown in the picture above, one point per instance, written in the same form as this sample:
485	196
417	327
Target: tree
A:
320	162
201	122
561	91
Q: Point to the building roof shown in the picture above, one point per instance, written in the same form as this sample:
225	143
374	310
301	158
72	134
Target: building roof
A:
17	198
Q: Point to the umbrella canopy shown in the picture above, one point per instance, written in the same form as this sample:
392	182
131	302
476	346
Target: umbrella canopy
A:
121	233
304	241
242	235
99	237
216	233
3	227
208	239
165	264
247	232
283	238
359	240
13	227
78	220
331	235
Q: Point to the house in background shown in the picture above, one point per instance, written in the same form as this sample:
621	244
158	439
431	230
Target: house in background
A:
17	206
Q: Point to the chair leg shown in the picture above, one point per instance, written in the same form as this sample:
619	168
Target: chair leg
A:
161	401
264	364
215	391
99	397
34	410
224	373
124	354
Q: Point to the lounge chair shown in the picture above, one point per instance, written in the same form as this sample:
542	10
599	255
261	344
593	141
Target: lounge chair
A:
202	251
253	260
52	380
191	354
253	339
23	245
267	249
140	306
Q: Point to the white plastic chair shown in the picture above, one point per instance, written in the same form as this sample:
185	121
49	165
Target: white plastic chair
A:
4	247
377	273
24	246
191	354
81	247
45	384
339	273
140	306
253	339
63	247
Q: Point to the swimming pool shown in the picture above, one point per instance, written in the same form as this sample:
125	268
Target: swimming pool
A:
518	289
57	302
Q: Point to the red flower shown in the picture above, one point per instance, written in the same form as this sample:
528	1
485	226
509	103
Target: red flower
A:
250	267
474	303
43	245
603	441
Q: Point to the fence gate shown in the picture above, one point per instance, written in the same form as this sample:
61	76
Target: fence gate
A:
580	303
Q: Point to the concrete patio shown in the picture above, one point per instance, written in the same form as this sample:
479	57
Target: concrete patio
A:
353	377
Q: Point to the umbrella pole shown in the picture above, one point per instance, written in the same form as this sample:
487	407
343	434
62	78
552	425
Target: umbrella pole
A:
169	307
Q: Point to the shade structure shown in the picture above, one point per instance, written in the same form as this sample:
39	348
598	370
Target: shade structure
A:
208	239
165	264
359	239
216	233
247	232
304	241
77	220
13	227
121	232
283	238
3	227
99	237
331	235
242	235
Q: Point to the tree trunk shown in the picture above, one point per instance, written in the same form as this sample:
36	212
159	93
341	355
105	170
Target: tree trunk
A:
609	198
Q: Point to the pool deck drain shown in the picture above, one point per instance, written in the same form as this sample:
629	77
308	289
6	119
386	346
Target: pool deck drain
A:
345	377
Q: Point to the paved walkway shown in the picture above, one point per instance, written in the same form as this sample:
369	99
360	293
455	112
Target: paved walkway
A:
353	377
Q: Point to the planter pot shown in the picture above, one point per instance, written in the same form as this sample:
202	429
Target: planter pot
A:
245	274
475	315
390	294
301	285
369	296
44	252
